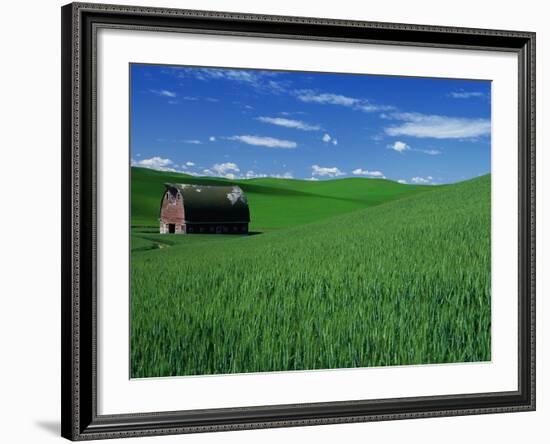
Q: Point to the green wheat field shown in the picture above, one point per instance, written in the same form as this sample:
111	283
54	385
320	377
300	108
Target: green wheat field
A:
335	274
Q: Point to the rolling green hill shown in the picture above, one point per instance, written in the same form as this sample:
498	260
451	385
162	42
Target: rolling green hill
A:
274	203
394	276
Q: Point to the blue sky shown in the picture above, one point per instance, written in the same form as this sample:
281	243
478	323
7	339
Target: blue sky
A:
239	123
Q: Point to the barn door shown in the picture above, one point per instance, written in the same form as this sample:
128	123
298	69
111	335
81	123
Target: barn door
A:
171	228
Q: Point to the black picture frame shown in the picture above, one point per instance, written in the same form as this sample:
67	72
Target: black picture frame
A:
80	420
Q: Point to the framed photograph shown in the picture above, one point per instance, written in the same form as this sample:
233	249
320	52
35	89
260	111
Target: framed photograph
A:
281	221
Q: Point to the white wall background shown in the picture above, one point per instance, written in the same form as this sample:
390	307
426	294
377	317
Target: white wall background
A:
30	235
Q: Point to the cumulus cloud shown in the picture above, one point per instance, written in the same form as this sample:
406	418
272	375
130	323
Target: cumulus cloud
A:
212	138
438	127
163	92
317	170
190	164
269	142
399	146
402	181
327	138
289	123
223	168
362	172
324	98
155	163
227	170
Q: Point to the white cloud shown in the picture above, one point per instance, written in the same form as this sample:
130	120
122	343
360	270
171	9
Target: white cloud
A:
422	180
317	170
194	99
430	152
402	181
287	175
269	142
190	164
402	146
290	113
192	141
155	163
212	138
262	81
329	139
227	170
253	175
223	168
362	172
311	96
466	94
289	123
308	95
399	146
163	92
371	108
217	73
312	178
438	127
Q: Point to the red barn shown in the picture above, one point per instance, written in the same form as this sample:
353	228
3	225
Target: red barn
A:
186	208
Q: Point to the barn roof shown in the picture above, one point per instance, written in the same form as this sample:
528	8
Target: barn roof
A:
212	203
